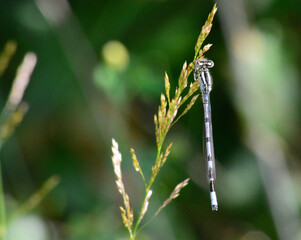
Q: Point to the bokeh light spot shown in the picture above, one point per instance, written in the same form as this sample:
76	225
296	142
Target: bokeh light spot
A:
116	55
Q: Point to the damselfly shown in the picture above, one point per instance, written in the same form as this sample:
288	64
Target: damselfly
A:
201	74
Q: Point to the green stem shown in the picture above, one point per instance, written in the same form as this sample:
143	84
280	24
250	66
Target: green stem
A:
151	181
2	210
139	216
144	199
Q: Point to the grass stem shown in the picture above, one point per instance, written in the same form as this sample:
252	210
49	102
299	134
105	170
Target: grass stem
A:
2	210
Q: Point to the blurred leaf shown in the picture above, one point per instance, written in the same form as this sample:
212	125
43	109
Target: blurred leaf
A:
112	82
6	55
39	196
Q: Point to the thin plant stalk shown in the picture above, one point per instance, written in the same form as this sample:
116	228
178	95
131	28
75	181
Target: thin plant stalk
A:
170	121
164	120
2	210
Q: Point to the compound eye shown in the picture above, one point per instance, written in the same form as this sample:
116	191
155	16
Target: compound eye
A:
198	63
204	63
201	63
209	63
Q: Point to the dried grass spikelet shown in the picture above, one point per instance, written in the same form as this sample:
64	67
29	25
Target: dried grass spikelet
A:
167	87
192	89
127	213
124	217
202	51
167	152
137	165
165	117
163	105
155	170
206	48
127	217
183	77
157	132
145	205
205	31
161	160
116	159
175	193
172	112
192	102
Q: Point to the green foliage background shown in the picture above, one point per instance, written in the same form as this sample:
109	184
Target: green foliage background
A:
78	101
